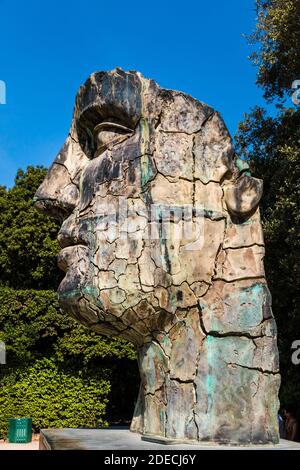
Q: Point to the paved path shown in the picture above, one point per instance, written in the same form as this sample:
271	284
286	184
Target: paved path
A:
33	445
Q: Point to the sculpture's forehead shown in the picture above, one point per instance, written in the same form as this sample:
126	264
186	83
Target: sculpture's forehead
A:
128	96
164	124
111	94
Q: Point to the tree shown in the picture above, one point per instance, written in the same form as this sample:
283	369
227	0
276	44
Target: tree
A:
278	32
28	245
271	145
43	342
34	330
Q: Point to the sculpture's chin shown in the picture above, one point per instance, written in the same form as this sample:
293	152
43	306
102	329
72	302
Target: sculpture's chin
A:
77	297
101	313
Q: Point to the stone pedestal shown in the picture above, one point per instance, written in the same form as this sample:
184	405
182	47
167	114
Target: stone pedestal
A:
122	440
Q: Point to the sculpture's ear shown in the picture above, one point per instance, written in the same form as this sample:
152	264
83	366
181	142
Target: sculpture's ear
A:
243	196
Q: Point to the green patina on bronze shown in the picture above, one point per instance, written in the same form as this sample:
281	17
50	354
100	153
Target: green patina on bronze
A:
76	293
243	166
199	314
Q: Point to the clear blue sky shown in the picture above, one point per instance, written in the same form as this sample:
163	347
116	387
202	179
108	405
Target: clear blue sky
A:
48	48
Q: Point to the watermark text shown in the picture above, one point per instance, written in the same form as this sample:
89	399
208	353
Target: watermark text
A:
2	353
296	354
2	92
296	93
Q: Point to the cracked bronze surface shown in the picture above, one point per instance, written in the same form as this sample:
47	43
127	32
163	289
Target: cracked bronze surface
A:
196	305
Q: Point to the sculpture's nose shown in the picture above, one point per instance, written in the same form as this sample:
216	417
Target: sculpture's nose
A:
58	194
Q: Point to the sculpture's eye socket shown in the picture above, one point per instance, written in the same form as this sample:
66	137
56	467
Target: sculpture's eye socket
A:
109	133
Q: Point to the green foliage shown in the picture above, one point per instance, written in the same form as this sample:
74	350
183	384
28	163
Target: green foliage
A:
32	325
34	328
271	145
87	345
54	396
90	368
28	246
278	35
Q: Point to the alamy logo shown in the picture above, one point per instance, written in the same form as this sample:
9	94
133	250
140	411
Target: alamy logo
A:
2	353
296	94
296	353
2	92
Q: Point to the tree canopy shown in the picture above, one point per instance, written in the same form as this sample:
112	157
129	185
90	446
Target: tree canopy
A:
271	144
278	36
45	346
28	245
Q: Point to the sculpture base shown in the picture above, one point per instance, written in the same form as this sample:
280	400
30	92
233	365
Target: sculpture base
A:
119	439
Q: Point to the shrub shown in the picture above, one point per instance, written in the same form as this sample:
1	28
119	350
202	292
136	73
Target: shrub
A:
53	396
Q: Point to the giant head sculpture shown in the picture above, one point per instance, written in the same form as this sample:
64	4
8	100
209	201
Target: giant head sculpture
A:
162	245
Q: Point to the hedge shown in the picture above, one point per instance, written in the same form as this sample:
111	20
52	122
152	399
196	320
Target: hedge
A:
53	396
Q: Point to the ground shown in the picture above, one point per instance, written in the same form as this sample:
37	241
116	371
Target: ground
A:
33	445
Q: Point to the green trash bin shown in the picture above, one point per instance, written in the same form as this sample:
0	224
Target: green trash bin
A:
20	430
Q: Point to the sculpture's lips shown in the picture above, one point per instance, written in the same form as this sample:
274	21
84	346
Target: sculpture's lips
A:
69	237
70	255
